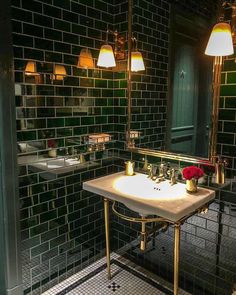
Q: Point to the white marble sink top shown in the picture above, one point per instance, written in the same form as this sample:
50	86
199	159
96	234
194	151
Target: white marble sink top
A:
146	197
53	168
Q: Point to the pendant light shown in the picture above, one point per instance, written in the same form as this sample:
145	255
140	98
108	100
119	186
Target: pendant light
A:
137	63
31	69
220	42
106	56
85	59
59	72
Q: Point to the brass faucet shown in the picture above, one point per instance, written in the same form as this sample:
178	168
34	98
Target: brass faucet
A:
220	171
172	177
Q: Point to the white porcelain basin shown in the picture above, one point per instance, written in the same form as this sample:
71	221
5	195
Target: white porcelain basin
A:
144	196
142	187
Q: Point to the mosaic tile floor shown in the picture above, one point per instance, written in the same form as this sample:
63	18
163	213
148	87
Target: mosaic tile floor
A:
127	278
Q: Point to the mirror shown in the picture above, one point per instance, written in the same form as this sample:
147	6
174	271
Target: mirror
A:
171	102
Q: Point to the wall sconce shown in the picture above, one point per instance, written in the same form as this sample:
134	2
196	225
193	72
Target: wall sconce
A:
222	38
31	69
85	59
106	56
137	63
219	45
220	42
59	72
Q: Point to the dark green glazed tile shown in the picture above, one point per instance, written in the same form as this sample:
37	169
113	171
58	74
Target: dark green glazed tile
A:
225	138
229	151
86	82
227	90
38	229
61	25
229	65
44	217
230	127
87	121
101	83
26	135
107	93
39	249
64	132
231	78
73	121
230	102
55	122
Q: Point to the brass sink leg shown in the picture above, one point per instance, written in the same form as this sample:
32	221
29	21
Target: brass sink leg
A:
106	214
176	258
143	236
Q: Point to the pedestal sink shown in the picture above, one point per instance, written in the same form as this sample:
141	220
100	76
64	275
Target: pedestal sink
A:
171	204
142	195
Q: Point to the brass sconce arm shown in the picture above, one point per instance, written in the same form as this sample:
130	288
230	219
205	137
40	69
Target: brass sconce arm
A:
119	46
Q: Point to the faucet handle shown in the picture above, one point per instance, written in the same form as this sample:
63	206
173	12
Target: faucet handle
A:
149	169
172	176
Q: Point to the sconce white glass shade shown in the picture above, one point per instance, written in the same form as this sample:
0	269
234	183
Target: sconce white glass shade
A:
220	42
137	63
106	57
59	72
30	69
85	59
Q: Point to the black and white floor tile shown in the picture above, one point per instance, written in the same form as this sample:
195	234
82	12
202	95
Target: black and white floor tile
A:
127	279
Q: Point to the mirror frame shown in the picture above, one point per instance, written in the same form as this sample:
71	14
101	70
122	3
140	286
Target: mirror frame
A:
212	142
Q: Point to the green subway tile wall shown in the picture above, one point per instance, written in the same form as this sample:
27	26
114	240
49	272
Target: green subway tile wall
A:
62	225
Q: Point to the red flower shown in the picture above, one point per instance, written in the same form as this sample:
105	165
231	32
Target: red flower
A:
192	172
52	143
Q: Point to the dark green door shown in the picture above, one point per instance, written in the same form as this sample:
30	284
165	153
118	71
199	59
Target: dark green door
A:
185	94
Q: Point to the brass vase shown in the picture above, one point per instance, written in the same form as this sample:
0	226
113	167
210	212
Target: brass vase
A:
191	186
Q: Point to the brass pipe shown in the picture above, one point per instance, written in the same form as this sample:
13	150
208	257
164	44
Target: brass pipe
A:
129	78
136	219
217	65
176	258
106	215
143	237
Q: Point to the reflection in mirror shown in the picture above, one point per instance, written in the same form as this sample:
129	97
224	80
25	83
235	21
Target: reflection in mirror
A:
171	103
190	90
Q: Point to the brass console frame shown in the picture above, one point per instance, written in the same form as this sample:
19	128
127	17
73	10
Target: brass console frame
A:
143	221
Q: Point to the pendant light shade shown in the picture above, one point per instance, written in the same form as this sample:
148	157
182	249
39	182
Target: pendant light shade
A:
220	42
59	72
106	57
85	59
137	63
30	69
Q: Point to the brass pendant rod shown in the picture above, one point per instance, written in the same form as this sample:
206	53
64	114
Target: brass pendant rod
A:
129	78
215	111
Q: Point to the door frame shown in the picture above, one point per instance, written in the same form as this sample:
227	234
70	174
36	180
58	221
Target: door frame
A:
10	269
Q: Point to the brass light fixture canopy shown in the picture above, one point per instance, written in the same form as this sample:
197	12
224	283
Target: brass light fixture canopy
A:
85	59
